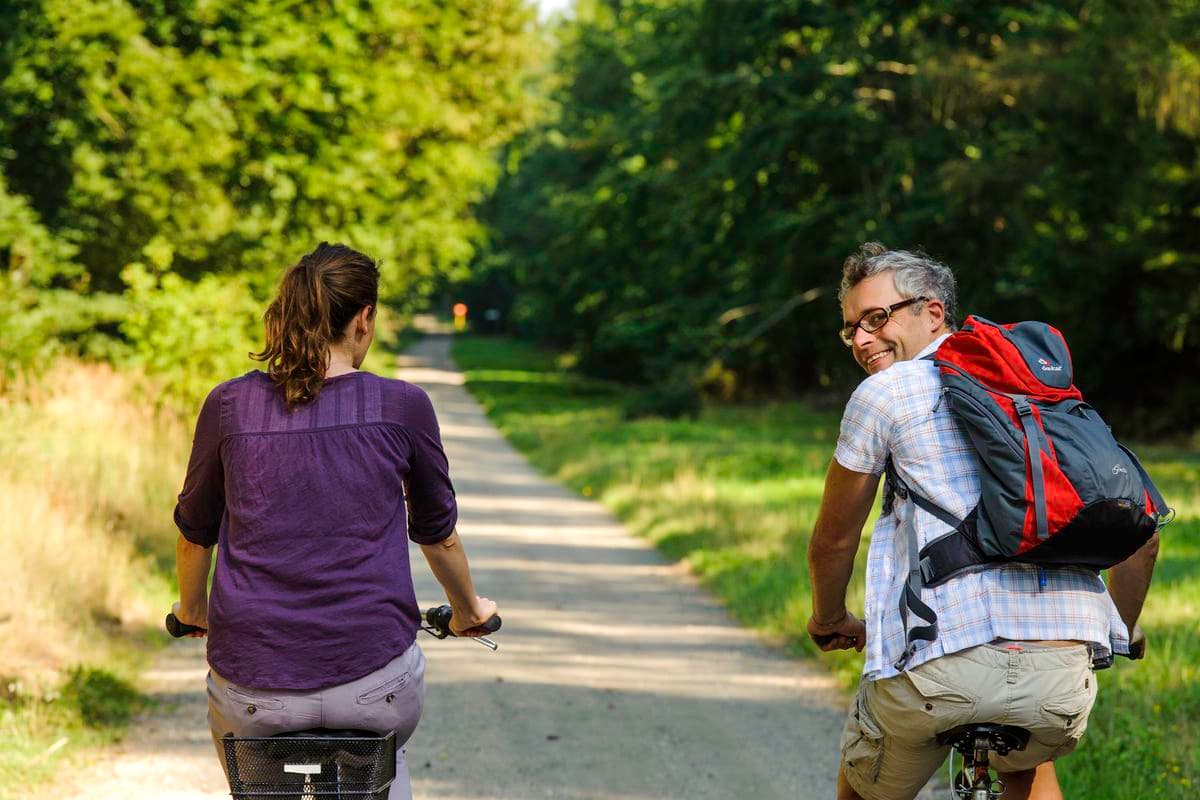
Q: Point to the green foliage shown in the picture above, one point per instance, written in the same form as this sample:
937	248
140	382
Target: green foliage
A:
710	161
38	325
103	699
187	335
671	399
29	255
205	139
233	137
31	261
735	494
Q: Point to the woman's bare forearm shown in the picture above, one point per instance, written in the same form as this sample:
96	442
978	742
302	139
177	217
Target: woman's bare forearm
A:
192	563
448	562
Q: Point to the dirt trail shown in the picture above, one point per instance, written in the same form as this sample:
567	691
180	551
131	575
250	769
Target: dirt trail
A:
617	677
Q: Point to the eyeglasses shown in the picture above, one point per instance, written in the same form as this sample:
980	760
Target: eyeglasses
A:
875	319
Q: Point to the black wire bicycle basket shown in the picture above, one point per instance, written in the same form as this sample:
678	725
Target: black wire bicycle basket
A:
317	765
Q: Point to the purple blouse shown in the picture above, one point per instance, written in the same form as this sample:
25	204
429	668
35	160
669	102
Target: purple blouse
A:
312	585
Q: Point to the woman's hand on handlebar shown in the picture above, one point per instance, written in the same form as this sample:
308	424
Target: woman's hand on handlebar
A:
191	617
466	621
843	634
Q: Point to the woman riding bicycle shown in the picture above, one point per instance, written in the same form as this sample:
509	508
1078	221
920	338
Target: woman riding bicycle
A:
312	476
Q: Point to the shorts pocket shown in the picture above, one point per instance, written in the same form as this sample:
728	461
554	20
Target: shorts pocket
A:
862	743
940	704
385	690
257	701
1065	717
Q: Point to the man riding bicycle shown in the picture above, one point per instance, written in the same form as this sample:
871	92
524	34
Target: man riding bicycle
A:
1016	641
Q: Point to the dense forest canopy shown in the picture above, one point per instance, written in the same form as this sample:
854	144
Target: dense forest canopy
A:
711	162
197	148
670	197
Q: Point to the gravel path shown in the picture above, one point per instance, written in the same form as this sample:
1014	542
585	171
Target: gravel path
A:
617	677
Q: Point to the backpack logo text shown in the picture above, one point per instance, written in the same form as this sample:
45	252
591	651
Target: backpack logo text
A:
1048	367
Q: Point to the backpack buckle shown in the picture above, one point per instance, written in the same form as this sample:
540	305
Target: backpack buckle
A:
927	573
1163	519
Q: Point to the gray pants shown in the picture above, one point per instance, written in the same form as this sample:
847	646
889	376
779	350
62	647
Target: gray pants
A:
389	699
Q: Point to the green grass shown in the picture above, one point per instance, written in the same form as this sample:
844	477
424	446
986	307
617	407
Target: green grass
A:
43	731
87	486
734	493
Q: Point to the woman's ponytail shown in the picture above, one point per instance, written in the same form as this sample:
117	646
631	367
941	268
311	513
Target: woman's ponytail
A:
318	297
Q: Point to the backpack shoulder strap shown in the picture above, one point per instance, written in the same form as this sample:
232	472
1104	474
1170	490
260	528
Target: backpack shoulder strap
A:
894	486
910	597
1163	513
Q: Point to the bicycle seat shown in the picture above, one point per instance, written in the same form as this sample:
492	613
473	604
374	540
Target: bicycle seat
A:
985	736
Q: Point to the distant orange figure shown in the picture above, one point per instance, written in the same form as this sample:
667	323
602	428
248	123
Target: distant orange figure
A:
460	316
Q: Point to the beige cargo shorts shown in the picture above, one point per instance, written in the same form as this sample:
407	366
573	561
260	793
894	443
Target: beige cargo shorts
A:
889	748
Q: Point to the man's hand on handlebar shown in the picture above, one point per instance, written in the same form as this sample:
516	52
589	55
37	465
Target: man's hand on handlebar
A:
190	617
843	634
467	621
1137	643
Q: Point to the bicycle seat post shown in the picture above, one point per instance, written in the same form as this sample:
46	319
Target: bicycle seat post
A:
307	770
974	741
982	786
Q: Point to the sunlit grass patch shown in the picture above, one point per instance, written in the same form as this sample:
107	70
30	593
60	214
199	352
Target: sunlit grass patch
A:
735	493
87	482
91	707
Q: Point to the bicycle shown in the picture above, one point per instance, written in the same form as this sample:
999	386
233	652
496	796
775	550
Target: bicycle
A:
319	763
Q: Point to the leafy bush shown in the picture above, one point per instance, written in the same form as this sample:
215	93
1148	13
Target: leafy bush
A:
103	699
670	400
189	336
31	313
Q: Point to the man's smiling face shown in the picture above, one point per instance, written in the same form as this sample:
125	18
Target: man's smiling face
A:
907	333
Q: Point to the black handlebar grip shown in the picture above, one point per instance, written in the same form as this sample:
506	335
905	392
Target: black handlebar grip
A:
179	629
824	639
1137	650
439	618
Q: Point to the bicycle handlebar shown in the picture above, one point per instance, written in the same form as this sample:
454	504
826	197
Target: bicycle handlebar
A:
438	618
179	629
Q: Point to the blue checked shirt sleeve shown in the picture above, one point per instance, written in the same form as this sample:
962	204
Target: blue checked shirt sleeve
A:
866	427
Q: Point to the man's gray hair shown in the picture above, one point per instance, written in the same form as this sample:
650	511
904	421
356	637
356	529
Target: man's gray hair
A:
915	275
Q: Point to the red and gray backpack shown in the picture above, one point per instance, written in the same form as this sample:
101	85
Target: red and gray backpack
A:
1056	488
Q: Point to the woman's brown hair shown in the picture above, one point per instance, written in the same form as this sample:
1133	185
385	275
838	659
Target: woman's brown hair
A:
318	297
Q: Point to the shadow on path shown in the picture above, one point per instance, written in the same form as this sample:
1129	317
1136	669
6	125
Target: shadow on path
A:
617	677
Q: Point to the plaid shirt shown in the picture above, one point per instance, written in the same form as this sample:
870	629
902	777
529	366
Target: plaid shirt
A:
893	411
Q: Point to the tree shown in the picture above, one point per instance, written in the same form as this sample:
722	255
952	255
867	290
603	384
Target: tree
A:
711	163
